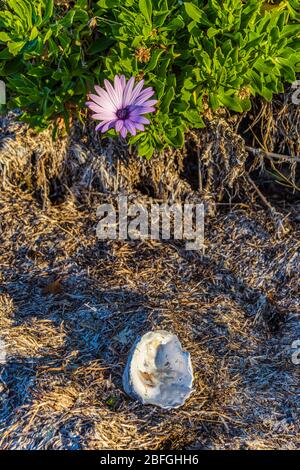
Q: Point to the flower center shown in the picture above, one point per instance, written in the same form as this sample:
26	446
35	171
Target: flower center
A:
122	113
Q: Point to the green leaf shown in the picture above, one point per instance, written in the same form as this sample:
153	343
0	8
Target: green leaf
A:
39	71
173	25
160	18
289	73
154	59
5	54
34	33
231	102
100	45
168	98
145	149
4	37
214	101
47	35
145	7
266	93
67	20
246	104
196	14
7	19
194	118
211	32
203	59
16	47
263	65
175	137
23	9
48	10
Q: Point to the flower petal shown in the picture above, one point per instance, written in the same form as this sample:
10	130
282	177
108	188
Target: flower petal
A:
112	94
93	106
98	127
150	103
123	132
138	126
118	96
143	110
140	120
128	92
99	90
107	113
103	94
104	102
130	127
144	96
119	125
104	116
118	89
108	125
123	82
137	90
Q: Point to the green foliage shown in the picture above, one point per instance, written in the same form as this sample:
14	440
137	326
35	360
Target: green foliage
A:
46	63
195	54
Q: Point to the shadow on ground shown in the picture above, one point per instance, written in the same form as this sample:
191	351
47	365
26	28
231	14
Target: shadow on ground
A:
71	307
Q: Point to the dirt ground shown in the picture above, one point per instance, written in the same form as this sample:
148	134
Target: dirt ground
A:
71	306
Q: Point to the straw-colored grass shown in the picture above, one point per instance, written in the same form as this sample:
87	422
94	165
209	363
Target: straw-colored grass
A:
72	306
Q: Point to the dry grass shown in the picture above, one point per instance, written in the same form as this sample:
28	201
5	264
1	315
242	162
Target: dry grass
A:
71	307
275	128
211	166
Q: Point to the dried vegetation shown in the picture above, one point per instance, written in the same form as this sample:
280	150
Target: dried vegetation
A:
71	306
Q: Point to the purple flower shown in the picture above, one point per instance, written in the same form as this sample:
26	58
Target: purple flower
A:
122	106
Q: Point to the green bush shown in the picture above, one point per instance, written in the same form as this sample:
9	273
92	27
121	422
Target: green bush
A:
195	54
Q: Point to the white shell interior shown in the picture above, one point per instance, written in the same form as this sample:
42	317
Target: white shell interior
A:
158	371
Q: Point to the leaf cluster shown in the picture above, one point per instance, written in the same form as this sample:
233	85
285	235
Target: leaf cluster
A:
196	54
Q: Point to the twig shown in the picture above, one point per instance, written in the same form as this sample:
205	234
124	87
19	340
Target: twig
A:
280	228
271	155
199	171
263	198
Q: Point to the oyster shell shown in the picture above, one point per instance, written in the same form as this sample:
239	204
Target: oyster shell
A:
158	371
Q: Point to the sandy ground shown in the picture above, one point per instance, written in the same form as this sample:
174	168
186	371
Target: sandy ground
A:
71	307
